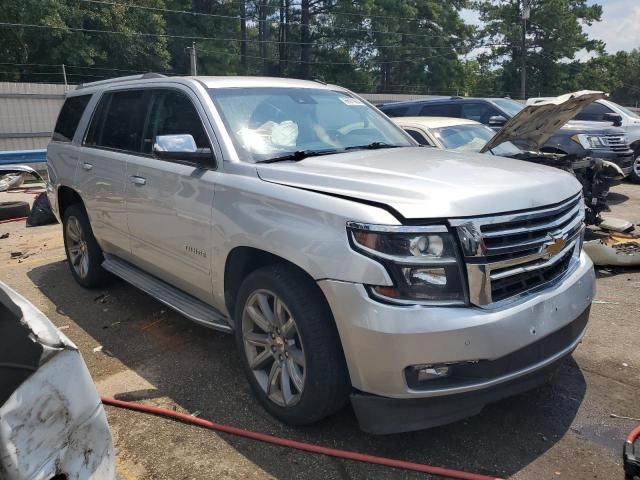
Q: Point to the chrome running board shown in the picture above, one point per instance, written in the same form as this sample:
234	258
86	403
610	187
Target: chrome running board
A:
183	303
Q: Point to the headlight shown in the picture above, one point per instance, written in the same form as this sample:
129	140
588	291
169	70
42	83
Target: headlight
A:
422	262
590	142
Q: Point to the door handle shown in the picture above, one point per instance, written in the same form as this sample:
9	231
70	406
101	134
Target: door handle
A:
136	180
87	166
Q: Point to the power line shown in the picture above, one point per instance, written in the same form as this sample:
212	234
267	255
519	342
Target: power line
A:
195	37
238	17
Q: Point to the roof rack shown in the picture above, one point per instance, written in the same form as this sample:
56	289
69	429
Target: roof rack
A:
142	76
456	97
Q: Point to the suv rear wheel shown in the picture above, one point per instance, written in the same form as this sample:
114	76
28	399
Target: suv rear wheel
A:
289	346
83	252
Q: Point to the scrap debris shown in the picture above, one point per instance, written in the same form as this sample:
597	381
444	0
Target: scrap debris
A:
617	249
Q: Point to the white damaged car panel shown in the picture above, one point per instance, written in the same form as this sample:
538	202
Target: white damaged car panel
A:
51	419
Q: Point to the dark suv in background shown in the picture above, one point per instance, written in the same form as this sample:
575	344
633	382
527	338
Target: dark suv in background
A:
577	138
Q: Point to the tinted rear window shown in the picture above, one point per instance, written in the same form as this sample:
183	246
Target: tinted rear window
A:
395	111
119	121
440	110
69	118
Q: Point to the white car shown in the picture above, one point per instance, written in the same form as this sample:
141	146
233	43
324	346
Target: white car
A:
52	423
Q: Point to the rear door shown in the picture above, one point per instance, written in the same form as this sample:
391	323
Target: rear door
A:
113	138
169	203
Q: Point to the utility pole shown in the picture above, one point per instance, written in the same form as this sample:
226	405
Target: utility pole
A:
525	13
64	75
193	59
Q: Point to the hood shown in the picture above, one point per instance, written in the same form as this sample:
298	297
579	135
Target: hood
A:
535	124
428	183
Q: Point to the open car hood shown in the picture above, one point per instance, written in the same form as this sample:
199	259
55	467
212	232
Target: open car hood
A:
535	124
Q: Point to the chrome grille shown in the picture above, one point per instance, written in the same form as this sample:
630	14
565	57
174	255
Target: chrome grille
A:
617	143
508	255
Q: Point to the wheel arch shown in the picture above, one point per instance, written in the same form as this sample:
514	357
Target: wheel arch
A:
242	261
67	196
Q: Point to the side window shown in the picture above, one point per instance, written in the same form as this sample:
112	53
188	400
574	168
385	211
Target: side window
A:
440	110
418	137
479	112
593	112
119	120
173	113
69	118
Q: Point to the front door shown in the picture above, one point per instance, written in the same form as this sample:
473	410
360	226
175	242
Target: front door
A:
170	203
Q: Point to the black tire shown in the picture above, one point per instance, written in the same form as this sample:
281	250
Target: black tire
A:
93	275
326	380
634	176
9	210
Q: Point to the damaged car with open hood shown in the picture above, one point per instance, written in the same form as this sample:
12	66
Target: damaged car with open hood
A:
540	134
351	264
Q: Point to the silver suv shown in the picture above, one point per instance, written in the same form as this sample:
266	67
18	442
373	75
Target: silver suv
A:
351	264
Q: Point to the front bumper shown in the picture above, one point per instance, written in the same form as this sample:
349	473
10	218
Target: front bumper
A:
623	159
380	341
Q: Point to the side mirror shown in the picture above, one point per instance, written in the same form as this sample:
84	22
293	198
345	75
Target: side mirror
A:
613	118
497	121
182	148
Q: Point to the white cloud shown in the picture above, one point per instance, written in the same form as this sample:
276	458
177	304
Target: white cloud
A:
619	25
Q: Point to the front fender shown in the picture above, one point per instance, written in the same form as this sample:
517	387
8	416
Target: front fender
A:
305	228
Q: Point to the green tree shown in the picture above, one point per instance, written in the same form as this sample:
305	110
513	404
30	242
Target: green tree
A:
61	32
554	35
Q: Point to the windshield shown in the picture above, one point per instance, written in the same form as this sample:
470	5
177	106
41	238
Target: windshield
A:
471	138
627	111
269	123
511	107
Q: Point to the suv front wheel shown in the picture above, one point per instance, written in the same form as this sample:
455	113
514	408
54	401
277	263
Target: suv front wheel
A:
83	252
289	346
635	172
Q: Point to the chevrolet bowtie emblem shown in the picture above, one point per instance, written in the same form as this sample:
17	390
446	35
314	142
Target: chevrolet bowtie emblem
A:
553	247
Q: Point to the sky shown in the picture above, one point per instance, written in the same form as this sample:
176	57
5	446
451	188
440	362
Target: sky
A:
619	27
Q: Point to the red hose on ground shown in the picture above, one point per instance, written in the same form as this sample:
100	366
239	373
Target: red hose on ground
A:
633	435
17	219
307	447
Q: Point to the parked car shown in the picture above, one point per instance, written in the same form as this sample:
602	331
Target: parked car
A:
461	135
610	112
52	423
350	263
573	138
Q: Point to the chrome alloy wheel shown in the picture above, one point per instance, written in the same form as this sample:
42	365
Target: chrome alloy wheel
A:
273	347
77	247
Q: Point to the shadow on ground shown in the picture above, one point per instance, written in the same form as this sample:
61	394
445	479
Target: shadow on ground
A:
615	198
199	369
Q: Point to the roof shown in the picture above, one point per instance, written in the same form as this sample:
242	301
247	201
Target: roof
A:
432	122
442	99
233	81
208	82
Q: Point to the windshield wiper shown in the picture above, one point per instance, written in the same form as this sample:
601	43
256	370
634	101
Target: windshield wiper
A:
373	146
298	155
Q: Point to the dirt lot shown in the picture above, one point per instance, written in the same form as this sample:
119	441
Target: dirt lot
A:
153	355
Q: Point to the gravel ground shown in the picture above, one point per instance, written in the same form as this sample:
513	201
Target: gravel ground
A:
153	355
